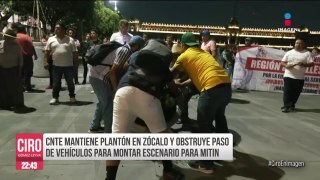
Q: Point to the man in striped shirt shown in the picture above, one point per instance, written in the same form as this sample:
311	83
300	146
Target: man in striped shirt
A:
120	64
104	80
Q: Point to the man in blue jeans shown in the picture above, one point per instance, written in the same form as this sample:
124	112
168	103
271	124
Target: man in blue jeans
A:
213	83
64	54
104	80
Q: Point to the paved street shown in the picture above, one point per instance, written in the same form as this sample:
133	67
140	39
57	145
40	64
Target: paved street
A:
262	133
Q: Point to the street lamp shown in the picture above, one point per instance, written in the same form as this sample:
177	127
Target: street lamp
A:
115	5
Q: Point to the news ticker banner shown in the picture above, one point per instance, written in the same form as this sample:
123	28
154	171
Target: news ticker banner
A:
259	68
33	149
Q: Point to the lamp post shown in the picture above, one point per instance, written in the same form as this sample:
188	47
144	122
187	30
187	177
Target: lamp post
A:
115	5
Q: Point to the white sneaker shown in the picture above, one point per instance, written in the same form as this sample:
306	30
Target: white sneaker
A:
92	92
73	100
54	101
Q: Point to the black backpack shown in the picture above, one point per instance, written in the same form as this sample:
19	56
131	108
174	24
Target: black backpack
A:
155	57
151	71
97	53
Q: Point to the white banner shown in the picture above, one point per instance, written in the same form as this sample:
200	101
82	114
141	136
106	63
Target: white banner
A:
138	146
259	68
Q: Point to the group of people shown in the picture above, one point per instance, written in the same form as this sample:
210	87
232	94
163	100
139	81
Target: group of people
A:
140	89
152	66
130	83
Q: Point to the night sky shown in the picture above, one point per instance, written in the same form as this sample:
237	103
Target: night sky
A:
258	14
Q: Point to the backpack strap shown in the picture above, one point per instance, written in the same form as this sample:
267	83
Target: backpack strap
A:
120	45
2	46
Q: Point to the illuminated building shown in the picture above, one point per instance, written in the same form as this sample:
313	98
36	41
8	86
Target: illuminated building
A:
232	33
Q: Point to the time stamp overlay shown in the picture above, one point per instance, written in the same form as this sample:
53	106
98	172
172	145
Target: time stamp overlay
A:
30	156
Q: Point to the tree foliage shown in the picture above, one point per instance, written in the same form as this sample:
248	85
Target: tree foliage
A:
69	12
104	20
10	7
81	15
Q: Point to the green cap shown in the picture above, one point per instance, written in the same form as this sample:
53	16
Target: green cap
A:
189	39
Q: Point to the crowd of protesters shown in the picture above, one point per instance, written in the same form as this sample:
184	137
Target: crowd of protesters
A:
137	76
143	86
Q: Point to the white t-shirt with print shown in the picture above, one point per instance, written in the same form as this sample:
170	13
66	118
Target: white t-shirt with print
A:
121	38
294	57
61	50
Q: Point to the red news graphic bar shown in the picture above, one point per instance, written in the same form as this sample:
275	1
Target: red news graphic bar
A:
29	151
268	65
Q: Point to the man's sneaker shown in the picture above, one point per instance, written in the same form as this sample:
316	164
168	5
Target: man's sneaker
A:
198	166
96	130
285	110
73	100
54	101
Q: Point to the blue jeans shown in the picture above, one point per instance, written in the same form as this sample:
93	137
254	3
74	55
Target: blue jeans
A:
104	107
211	107
57	72
230	70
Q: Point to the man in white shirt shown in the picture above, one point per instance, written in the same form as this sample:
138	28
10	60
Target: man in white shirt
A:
64	53
122	36
295	62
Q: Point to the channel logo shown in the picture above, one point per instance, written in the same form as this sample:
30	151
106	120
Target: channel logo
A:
287	19
29	152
